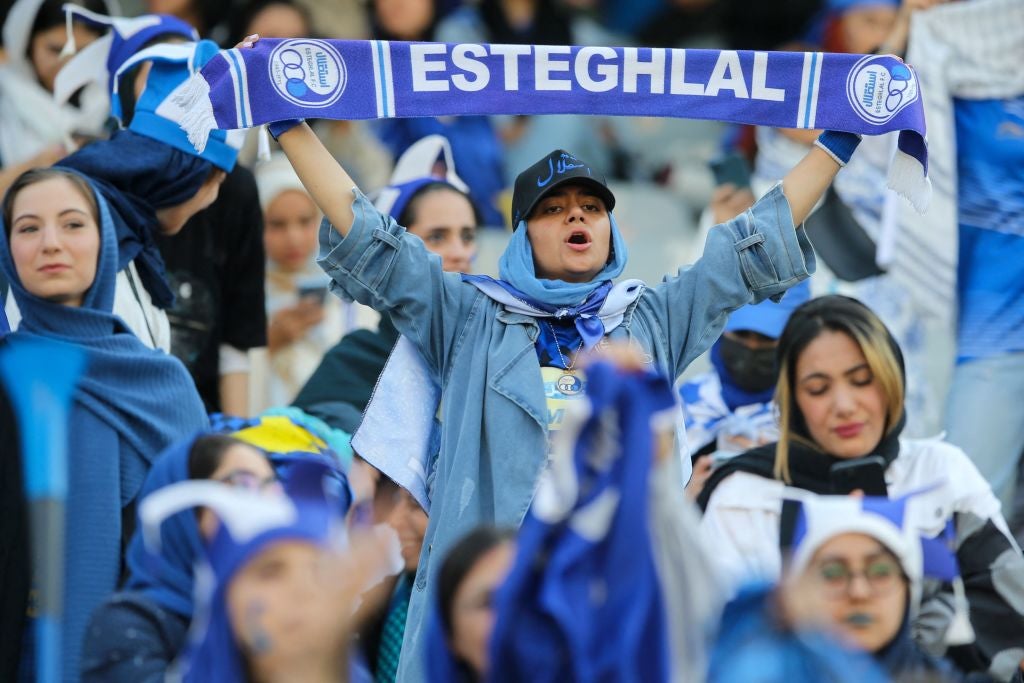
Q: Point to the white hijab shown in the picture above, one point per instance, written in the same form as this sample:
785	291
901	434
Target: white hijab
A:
30	119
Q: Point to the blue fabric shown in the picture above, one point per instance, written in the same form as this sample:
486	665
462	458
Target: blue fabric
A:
494	441
990	277
130	404
136	176
166	577
769	317
151	116
245	88
550	624
752	646
516	267
733	396
215	655
586	326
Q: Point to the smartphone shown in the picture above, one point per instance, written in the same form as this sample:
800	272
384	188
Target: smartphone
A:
866	474
317	293
731	168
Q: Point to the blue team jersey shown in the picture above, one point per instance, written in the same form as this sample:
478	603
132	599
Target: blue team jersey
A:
990	282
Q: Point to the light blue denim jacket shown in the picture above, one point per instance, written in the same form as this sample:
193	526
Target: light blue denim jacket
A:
494	412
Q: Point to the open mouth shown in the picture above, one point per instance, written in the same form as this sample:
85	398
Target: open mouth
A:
579	240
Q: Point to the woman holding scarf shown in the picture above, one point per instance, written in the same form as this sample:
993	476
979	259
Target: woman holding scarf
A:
840	396
505	352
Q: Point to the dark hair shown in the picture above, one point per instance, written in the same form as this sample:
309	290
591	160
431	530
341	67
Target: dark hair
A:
207	453
834	313
408	215
38	175
51	14
126	83
241	21
460	560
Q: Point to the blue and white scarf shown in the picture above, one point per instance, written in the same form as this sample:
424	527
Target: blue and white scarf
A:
338	79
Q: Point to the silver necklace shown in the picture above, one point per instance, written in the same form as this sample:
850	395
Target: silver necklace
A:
568	383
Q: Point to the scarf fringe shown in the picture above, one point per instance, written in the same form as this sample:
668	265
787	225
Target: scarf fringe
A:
198	120
907	179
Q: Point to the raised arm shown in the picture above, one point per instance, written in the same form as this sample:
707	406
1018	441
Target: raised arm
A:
321	174
806	182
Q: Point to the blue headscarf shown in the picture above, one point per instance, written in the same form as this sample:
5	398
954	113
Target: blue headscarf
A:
214	655
166	577
131	403
516	267
138	175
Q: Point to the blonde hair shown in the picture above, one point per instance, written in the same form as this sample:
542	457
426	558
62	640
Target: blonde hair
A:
883	357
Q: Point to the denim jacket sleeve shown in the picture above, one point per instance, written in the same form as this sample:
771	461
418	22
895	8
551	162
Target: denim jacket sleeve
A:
378	264
755	256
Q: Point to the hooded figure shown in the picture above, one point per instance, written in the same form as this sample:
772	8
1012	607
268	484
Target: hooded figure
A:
30	118
131	403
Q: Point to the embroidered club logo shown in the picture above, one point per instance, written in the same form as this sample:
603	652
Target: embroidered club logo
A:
879	89
309	73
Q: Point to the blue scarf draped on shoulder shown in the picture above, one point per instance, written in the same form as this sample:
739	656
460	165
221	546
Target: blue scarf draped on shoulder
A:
130	404
564	302
138	175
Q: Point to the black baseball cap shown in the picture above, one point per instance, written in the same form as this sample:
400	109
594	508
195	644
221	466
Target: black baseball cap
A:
557	168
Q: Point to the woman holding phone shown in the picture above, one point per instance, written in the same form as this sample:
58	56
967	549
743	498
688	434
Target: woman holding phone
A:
840	397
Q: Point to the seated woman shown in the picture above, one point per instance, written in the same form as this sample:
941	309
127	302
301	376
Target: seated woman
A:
840	398
156	603
856	575
59	254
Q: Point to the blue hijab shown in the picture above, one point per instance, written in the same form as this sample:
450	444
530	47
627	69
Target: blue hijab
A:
138	175
213	653
131	403
516	267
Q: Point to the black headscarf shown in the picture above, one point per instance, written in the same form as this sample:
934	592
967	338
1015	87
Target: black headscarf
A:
809	466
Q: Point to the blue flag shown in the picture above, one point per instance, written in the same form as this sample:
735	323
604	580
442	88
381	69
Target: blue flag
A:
583	601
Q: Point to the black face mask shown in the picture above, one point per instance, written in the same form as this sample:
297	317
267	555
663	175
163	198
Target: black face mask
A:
751	370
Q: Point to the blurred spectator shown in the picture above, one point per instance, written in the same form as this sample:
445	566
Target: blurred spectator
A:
35	130
470	575
729	409
282	572
210	17
272	19
381	636
136	634
304	322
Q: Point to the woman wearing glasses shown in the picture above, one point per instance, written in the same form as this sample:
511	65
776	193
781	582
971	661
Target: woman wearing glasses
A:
840	397
846	605
136	634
